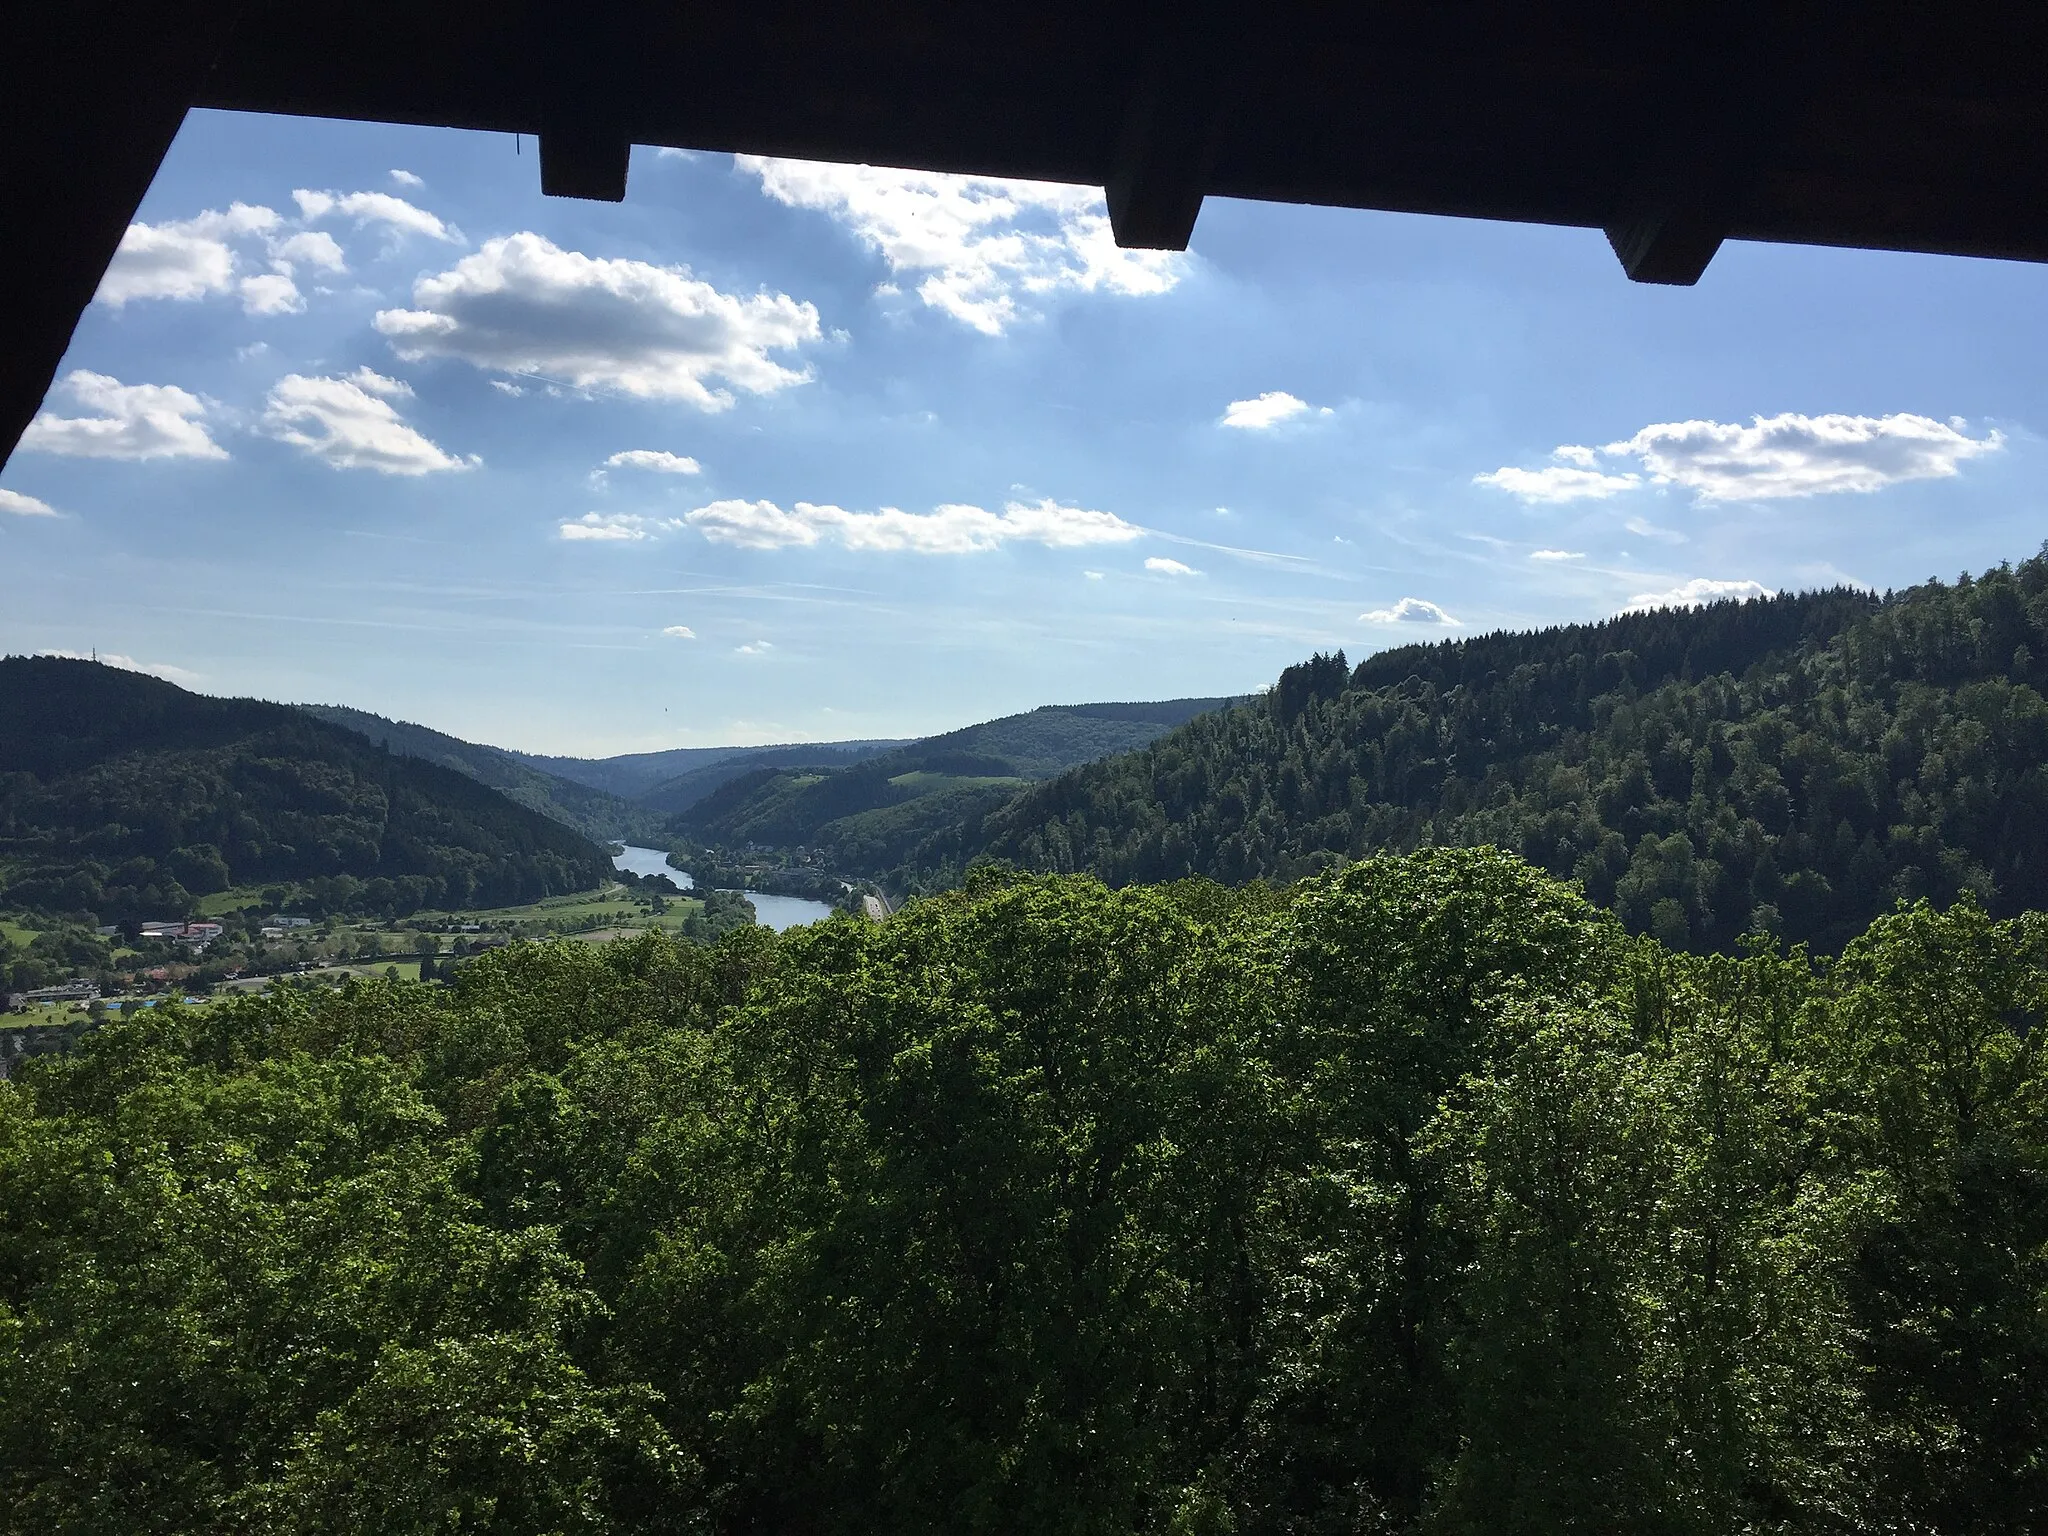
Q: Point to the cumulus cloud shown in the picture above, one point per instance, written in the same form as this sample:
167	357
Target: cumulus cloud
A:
755	648
1769	459
271	293
981	249
130	421
947	530
1794	455
680	632
1556	483
394	214
1557	554
1701	589
656	460
350	423
197	257
1166	567
313	246
407	179
523	305
184	259
616	527
20	504
1410	610
1264	412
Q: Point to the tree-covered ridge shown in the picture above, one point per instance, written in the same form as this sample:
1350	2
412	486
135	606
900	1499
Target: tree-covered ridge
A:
866	818
1796	764
127	797
1415	1199
593	812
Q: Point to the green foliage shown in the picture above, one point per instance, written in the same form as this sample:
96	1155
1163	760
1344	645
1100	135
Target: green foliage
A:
596	814
869	816
1415	1198
129	798
1793	765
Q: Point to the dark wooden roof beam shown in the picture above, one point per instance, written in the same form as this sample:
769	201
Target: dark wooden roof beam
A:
585	159
1166	151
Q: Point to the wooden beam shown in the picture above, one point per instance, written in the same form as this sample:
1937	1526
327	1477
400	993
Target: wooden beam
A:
1171	124
587	160
91	96
1667	246
1710	113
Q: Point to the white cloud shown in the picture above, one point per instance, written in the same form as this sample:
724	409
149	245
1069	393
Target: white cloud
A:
393	213
522	305
1410	610
1166	567
1772	458
1643	528
1556	483
132	421
1264	412
22	505
1093	575
351	424
162	669
407	179
982	249
1557	554
1794	455
616	527
505	387
1691	594
193	258
947	530
375	383
271	293
313	246
680	632
755	648
654	459
185	259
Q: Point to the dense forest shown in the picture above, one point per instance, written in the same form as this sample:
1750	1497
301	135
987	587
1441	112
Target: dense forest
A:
1794	765
1415	1198
125	797
867	817
597	814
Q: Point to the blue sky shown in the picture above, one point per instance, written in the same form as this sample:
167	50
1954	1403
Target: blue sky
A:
781	452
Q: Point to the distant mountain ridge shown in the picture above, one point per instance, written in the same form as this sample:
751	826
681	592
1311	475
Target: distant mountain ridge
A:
865	817
644	796
634	774
127	797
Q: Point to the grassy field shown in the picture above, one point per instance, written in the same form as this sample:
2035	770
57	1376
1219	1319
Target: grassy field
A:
612	907
15	934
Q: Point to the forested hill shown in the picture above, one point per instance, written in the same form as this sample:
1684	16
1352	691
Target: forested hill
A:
595	813
866	817
1795	764
127	797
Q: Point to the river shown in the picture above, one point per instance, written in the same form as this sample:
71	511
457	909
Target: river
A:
777	912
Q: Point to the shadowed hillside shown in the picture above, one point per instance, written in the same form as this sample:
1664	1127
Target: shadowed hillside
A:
127	797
